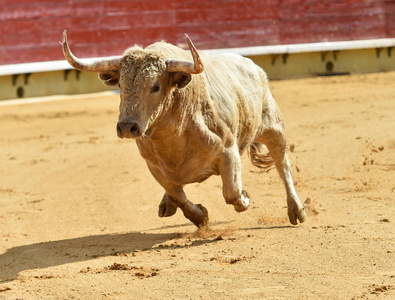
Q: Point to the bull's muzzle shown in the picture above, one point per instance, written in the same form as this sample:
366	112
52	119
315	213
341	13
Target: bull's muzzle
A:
129	130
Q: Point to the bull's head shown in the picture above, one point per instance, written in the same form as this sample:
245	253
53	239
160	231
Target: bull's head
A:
146	81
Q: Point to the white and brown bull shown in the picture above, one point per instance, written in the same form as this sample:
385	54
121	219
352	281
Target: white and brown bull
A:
194	118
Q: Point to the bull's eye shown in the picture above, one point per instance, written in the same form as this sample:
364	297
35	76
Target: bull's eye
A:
155	88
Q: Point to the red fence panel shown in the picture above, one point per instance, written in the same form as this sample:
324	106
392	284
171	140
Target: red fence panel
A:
31	29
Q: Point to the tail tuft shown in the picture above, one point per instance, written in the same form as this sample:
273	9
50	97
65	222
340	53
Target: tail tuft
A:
260	160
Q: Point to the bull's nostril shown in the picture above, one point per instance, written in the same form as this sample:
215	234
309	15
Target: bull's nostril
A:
133	129
119	130
128	129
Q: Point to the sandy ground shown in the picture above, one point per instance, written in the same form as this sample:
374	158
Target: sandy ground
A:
78	206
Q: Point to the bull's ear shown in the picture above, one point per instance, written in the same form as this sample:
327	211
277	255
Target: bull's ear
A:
109	78
180	79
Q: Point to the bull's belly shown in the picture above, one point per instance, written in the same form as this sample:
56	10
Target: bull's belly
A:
187	174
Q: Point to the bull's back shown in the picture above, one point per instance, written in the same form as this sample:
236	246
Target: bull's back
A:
238	89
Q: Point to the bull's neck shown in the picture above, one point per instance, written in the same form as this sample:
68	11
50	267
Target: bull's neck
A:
175	117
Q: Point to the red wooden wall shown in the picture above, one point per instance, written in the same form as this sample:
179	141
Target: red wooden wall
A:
31	29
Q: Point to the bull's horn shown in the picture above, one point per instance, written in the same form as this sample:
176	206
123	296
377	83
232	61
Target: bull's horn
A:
99	65
178	65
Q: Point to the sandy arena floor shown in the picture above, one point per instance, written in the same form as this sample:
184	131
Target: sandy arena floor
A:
78	206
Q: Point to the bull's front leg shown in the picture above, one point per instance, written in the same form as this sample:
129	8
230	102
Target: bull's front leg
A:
230	170
196	213
175	198
167	207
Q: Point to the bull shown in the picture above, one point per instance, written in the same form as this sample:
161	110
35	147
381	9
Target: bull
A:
193	115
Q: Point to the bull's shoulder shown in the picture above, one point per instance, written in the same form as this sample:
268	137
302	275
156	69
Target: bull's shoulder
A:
238	91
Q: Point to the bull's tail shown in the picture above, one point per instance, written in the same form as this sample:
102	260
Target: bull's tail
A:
259	159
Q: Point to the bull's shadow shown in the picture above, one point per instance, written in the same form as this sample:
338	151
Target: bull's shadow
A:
54	253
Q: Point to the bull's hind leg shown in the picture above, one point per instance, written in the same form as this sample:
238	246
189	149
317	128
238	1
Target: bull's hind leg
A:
275	141
230	170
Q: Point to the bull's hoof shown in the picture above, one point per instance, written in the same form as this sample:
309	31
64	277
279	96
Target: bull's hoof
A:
243	202
167	207
200	219
296	214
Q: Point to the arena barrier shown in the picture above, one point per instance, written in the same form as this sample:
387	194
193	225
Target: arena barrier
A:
280	62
